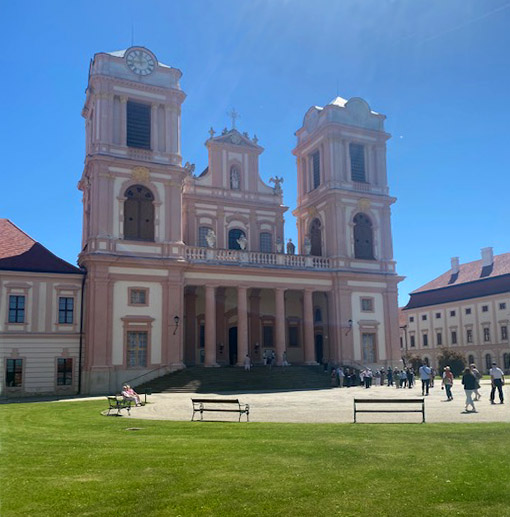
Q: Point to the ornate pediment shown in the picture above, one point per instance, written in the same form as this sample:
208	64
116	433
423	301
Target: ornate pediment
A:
234	137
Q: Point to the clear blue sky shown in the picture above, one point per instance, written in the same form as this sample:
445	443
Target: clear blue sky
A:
439	70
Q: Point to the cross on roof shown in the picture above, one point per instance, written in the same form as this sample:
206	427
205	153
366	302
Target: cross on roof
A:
233	115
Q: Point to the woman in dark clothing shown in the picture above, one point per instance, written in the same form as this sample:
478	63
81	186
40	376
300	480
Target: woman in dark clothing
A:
469	382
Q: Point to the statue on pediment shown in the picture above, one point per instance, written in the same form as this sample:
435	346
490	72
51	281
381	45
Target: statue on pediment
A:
277	185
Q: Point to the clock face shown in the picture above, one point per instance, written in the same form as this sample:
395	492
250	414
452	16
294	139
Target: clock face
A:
140	62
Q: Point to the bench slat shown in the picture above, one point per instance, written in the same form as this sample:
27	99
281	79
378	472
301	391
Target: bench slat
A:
215	401
388	401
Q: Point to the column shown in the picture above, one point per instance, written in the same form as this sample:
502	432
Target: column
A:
308	324
242	325
210	325
154	128
279	295
168	129
123	121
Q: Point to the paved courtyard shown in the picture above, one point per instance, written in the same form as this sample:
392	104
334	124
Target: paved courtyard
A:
332	405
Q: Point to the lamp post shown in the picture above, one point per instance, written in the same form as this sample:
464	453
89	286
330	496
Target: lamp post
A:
404	328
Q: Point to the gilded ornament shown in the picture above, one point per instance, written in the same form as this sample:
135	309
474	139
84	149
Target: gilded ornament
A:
140	174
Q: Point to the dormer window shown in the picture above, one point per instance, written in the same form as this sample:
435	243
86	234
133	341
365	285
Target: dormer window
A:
235	178
138	125
357	152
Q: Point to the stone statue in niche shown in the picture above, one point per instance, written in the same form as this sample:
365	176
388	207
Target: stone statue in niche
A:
243	242
279	245
211	238
277	185
307	245
235	183
291	249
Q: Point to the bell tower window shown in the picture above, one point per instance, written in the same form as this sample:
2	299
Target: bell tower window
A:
138	125
315	164
357	153
363	238
139	214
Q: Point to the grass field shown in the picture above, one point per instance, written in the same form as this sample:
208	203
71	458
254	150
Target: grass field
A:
68	459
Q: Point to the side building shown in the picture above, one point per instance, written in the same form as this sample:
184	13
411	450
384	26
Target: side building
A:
466	309
40	316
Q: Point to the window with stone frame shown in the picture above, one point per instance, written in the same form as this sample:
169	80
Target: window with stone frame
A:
468	311
139	214
363	237
412	341
16	309
357	154
504	333
315	165
64	371
14	373
425	339
293	331
506	361
453	335
485	308
469	335
138	125
266	242
486	334
202	234
65	310
439	338
367	304
502	306
138	296
233	236
137	346
267	335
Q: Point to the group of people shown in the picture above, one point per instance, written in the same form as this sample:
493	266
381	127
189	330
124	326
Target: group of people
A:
130	395
471	382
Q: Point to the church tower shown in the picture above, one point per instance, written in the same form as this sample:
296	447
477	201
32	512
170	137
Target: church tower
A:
343	208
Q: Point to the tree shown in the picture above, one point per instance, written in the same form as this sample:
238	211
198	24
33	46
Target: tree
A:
414	361
454	360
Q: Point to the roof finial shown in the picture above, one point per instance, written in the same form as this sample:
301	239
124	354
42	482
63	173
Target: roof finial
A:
233	115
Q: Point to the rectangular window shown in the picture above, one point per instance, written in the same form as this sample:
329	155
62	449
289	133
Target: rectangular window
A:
138	296
14	373
486	334
137	349
468	311
411	319
316	169
504	332
367	304
202	234
357	153
454	337
413	343
16	309
293	336
485	308
64	372
438	315
502	306
424	317
138	125
425	340
267	336
266	241
439	339
65	310
469	335
452	313
202	336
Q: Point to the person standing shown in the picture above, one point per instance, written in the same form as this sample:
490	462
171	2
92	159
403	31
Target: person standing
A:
469	382
390	377
341	376
448	382
424	372
478	377
247	363
497	381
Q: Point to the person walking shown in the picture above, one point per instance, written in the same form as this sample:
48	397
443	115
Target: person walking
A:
389	375
478	377
425	372
497	381
469	382
447	382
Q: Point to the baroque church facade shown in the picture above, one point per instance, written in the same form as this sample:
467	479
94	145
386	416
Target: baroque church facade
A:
194	269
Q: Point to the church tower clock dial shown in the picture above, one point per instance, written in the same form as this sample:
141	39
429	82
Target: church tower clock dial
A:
140	62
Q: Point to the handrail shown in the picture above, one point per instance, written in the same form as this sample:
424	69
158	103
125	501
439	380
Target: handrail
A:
144	374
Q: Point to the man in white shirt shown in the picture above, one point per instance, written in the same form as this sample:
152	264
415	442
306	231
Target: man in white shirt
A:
497	381
424	372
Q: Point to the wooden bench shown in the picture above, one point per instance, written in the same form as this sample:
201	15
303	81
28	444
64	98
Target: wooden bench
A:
412	402
118	403
221	405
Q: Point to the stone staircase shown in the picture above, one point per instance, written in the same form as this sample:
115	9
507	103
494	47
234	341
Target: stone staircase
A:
234	379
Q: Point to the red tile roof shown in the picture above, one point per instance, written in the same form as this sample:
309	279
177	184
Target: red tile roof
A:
19	252
470	272
472	281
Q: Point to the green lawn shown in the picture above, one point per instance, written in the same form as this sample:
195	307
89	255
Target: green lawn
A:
68	459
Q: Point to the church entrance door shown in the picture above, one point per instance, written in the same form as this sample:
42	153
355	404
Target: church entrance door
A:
232	345
319	348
